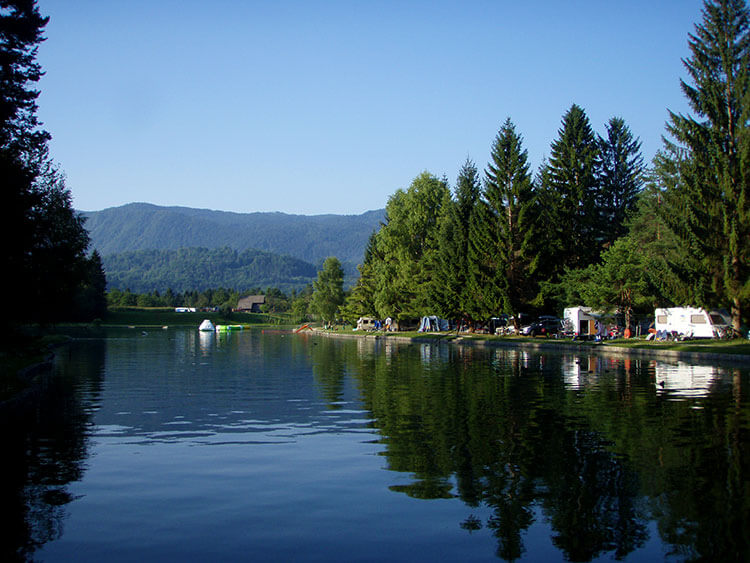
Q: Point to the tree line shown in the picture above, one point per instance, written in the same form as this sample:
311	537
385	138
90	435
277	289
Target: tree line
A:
188	269
294	303
49	273
593	225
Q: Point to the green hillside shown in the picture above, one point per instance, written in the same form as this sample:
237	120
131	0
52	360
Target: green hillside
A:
313	238
187	269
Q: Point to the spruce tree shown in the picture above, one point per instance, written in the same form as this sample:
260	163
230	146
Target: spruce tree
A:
621	177
451	256
572	186
505	230
712	215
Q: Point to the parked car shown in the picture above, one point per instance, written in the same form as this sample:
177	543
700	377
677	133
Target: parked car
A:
545	325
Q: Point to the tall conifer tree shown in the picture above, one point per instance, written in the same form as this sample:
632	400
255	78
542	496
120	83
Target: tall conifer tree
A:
621	177
573	192
451	256
503	236
714	197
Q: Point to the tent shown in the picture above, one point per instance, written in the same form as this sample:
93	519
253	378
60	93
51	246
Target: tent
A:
433	324
207	326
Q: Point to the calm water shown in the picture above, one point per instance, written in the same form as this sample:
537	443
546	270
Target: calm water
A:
182	446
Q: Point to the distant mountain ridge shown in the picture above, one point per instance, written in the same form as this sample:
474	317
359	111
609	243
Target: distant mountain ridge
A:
124	234
143	226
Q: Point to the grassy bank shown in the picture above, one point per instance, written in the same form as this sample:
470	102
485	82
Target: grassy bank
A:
707	346
160	316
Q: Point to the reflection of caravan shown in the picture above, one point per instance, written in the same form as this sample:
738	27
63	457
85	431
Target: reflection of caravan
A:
691	321
685	380
579	321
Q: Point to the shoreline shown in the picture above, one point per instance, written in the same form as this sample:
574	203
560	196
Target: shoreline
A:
583	347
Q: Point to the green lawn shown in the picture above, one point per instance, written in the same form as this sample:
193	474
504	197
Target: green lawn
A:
160	316
736	346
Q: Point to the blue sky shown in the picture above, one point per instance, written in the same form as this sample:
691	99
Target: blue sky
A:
330	107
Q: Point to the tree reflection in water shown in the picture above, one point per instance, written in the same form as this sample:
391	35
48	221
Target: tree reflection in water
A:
588	443
45	444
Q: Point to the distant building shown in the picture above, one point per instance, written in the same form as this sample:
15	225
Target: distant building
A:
251	304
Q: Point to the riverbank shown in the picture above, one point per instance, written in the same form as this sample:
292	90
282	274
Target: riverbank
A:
159	317
705	351
22	366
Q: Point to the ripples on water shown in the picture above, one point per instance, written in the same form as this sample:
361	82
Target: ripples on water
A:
180	445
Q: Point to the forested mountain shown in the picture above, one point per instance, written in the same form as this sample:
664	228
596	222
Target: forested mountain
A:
313	238
198	269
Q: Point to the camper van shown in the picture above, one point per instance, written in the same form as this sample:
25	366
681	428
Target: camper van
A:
579	321
691	322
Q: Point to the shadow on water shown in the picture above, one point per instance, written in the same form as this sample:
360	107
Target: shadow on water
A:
597	454
45	445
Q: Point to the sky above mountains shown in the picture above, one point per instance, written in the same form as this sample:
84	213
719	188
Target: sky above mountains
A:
331	106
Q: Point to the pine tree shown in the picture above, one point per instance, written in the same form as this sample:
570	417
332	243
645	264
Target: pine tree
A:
621	177
573	192
713	194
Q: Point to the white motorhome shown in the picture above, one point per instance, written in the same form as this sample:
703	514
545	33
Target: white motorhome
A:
579	321
691	321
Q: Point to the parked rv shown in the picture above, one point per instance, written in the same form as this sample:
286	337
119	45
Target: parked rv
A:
691	322
579	321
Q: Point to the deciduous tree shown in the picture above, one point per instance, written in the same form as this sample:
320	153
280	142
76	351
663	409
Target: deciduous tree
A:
328	289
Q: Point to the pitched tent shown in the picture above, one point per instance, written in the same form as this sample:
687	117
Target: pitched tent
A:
433	324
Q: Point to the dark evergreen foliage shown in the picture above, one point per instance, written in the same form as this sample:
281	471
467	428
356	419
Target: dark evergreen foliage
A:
576	228
621	178
44	241
451	264
711	150
504	238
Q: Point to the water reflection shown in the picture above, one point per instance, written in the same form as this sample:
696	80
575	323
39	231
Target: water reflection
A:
503	448
44	447
682	380
509	436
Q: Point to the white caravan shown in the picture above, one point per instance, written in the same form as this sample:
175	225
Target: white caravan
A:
691	321
579	321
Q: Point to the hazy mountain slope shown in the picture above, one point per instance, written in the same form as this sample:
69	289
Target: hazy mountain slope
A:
188	269
142	226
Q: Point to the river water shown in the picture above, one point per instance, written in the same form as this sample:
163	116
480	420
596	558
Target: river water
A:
270	446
